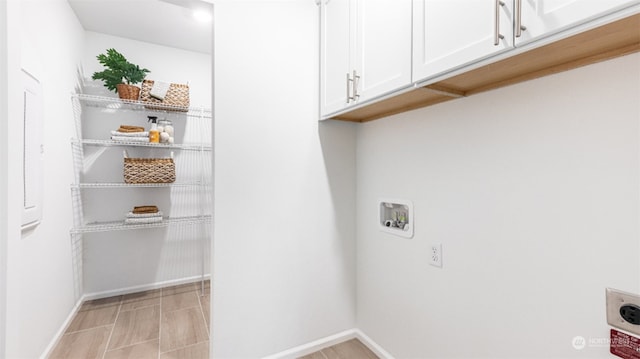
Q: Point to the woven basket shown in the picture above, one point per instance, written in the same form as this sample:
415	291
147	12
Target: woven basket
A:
177	98
149	170
128	92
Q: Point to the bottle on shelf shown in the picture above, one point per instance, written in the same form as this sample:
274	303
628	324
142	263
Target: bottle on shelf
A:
154	134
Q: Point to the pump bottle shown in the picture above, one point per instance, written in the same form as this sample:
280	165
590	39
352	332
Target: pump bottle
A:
154	134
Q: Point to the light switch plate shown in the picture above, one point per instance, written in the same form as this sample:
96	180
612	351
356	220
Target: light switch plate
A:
617	299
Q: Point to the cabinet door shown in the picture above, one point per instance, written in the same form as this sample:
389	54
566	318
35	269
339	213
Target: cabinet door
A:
451	33
336	41
545	17
383	51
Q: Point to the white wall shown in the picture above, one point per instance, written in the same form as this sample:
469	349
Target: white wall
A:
284	248
532	191
115	261
166	63
45	38
4	152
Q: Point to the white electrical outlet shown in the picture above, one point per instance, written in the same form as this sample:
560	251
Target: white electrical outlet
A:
435	255
623	310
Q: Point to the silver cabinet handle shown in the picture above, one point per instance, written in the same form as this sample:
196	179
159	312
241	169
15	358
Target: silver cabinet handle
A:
356	82
352	87
349	80
497	36
518	11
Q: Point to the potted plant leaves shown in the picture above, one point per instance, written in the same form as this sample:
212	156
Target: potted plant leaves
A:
120	75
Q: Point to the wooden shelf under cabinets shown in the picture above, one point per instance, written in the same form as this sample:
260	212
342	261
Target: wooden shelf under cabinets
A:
606	42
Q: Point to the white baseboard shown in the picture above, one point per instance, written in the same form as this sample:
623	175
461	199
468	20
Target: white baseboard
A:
373	346
331	340
140	288
63	328
314	346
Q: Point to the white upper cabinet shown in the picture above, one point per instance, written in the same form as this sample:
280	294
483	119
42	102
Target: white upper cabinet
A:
383	46
451	33
365	50
377	49
336	38
539	18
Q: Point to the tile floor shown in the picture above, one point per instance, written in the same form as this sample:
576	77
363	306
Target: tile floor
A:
164	323
351	349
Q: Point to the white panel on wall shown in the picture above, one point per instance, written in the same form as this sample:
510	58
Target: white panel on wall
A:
32	152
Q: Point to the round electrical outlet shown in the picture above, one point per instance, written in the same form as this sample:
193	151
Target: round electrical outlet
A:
630	313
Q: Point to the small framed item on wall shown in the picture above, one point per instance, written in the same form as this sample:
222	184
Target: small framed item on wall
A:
32	151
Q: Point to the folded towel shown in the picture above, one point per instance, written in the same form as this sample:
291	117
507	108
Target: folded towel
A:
130	139
127	128
145	209
144	215
130	134
159	90
143	220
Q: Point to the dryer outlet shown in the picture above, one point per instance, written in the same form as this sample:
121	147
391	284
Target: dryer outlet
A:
623	310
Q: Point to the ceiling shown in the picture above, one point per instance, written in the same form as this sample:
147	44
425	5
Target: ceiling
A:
162	22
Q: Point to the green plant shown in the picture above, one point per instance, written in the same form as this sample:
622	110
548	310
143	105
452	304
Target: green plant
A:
118	70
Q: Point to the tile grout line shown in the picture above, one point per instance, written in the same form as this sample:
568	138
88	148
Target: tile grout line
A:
160	321
202	313
112	329
162	296
182	348
131	345
122	311
136	308
185	308
185	346
86	329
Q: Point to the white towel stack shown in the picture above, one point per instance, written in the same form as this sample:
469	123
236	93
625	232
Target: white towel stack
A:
130	136
143	218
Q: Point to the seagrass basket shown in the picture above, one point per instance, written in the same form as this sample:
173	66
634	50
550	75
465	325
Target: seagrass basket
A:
128	92
149	170
176	99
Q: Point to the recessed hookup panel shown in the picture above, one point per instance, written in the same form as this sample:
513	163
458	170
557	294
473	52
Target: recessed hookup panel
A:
623	310
395	216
